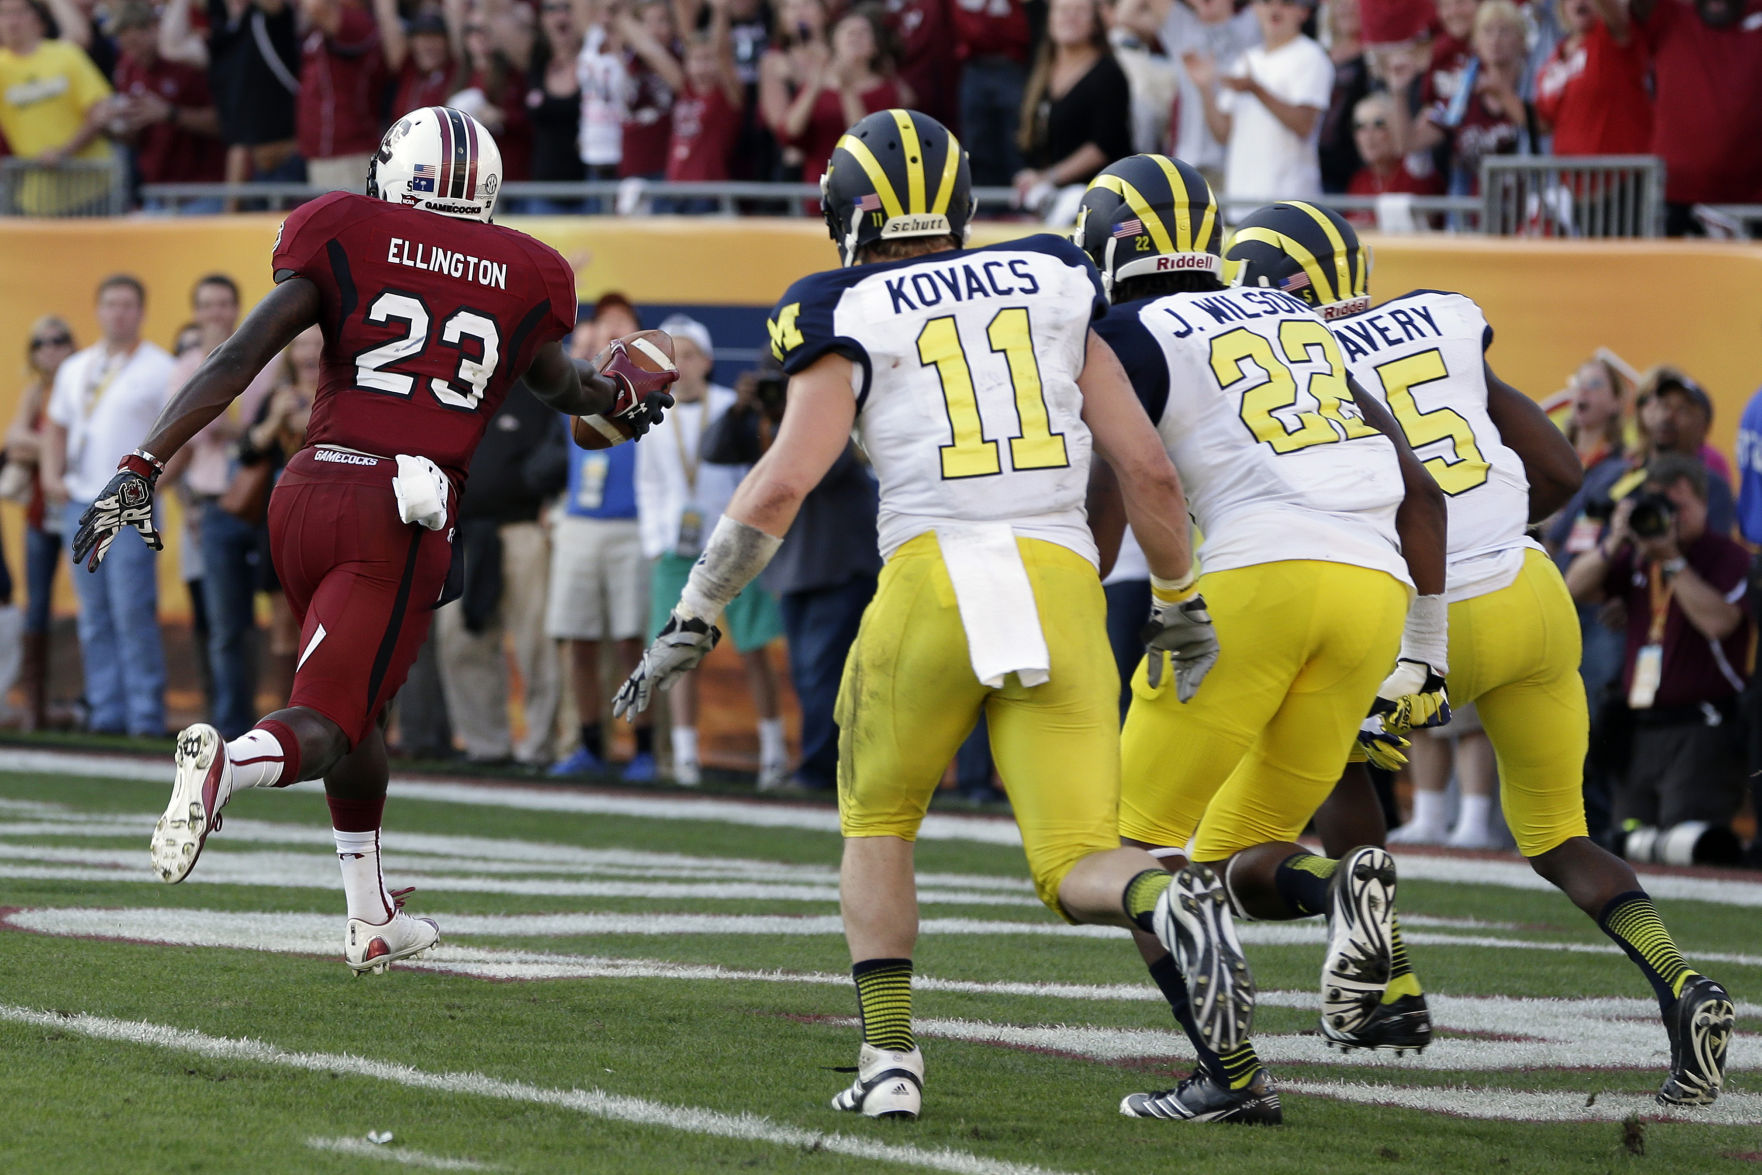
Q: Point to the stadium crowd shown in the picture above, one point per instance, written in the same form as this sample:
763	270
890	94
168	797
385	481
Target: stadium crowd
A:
1269	98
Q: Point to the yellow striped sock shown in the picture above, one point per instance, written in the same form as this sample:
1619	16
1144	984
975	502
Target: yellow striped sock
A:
1633	922
884	995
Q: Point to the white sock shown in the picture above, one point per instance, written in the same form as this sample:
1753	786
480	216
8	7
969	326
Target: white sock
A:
363	884
256	760
1428	809
771	745
685	744
1472	815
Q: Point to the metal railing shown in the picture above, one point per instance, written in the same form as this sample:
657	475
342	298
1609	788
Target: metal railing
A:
78	187
1572	196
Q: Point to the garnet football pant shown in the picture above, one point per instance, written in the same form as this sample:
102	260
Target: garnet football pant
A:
361	583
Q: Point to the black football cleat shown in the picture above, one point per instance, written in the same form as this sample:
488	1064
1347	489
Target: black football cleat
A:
1700	1029
1200	1098
1401	1026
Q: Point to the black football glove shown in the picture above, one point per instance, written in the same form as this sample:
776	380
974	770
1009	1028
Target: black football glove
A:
126	501
677	651
1183	631
642	397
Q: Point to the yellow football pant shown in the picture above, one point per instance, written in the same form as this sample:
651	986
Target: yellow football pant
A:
1514	653
1304	645
909	698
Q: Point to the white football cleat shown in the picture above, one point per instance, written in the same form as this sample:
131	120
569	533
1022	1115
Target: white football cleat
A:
1360	955
202	786
372	947
888	1084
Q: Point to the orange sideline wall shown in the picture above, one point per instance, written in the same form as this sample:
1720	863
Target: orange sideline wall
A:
1551	303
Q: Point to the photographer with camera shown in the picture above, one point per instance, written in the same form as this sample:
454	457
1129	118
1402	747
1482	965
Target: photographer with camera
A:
824	575
1688	637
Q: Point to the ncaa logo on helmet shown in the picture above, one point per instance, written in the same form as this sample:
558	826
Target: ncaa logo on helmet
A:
441	160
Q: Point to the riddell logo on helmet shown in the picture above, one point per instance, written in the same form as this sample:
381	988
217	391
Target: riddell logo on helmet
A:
1184	261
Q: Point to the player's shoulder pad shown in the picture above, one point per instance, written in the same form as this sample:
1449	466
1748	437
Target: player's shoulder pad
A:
307	228
1061	249
801	324
1472	321
1123	329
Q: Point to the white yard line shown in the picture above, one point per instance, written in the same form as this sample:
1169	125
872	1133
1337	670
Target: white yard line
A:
361	1148
592	1102
1732	1108
976	828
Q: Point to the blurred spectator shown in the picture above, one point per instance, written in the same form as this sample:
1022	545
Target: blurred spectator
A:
1210	30
105	400
1451	51
553	104
342	79
1591	94
276	433
749	34
600	73
1707	73
1338	145
51	342
1675	414
1076	109
824	575
419	56
1266	109
679	500
925	58
163	109
1153	78
1749	461
599	578
707	115
522	461
227	543
495	89
1487	114
654	76
252	55
52	109
814	89
992	40
1688	637
1385	169
1461	749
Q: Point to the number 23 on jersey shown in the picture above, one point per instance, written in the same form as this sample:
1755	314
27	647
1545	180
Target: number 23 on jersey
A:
1246	366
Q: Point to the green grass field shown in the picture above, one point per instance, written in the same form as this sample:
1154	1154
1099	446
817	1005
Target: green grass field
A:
655	982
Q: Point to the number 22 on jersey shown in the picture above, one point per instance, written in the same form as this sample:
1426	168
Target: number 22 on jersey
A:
1035	445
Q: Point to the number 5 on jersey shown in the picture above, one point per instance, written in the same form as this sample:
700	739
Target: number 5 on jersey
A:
1035	445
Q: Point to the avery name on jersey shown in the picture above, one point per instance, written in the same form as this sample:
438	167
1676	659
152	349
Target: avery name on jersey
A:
1364	333
961	283
420	255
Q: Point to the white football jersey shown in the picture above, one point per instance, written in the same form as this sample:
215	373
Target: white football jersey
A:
966	366
1423	354
1248	390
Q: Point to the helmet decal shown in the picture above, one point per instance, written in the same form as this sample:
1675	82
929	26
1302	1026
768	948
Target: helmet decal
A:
895	174
439	159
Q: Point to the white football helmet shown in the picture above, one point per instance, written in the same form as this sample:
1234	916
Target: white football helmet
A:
439	159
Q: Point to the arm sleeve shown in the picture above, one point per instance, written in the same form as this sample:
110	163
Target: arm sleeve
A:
559	279
802	328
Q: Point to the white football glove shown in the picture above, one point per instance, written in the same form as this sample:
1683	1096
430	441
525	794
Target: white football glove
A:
1182	630
677	651
1412	698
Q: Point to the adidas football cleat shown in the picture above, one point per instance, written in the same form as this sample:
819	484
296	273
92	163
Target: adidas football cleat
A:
1401	1026
1700	1029
1201	1098
199	791
1361	918
888	1084
1192	919
369	946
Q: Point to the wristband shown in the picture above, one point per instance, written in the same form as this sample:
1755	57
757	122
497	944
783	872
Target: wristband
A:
142	464
1426	638
1174	591
733	558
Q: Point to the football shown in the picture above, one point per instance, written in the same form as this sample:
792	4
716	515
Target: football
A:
649	350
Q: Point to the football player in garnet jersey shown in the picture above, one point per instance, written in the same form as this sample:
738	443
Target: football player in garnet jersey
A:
430	313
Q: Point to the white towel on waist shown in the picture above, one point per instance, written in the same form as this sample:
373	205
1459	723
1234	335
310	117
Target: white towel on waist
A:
422	491
996	603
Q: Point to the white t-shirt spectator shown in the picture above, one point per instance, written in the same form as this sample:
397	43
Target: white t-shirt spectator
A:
671	481
107	403
604	83
1264	159
1183	32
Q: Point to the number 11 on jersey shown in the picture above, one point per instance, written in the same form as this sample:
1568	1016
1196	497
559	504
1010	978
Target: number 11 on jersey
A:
1035	445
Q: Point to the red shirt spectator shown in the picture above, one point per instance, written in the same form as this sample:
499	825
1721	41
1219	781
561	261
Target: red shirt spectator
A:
651	62
828	120
991	28
1592	89
1707	64
420	57
1384	168
168	105
342	77
926	55
708	114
